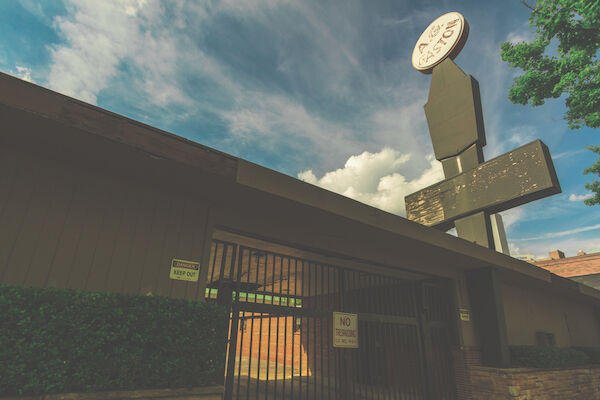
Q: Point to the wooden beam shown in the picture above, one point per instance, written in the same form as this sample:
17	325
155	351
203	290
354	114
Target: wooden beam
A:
517	177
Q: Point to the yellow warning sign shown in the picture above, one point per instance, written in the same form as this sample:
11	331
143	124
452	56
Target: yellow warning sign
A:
465	315
184	270
345	330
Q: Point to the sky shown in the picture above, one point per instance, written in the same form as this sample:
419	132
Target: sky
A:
323	91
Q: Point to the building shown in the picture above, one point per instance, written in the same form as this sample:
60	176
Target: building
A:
583	268
95	201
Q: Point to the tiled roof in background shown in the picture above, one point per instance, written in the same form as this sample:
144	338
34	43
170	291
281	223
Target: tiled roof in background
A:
567	267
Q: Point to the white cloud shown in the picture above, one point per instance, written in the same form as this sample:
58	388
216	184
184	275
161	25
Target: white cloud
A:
521	135
581	197
98	35
157	57
251	6
563	233
24	73
276	120
164	58
514	249
101	35
403	126
519	36
395	21
515	137
511	217
376	179
567	154
245	121
269	118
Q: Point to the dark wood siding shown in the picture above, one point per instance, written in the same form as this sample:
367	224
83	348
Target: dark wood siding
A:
70	226
17	197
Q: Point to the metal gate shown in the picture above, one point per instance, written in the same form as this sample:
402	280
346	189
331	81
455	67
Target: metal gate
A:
280	338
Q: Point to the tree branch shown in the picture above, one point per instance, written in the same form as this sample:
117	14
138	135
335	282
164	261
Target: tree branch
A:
527	5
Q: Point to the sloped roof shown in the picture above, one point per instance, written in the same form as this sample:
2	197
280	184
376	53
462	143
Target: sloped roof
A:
35	102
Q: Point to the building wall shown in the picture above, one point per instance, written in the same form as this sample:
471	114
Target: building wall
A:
528	311
72	225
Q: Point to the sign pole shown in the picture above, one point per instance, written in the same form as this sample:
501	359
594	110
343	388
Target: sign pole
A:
473	191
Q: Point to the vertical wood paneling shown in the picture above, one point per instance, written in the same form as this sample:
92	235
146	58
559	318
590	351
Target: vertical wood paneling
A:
92	221
169	248
64	226
190	244
60	200
8	168
161	255
207	245
108	229
198	219
34	220
13	214
182	249
151	264
70	237
139	245
131	199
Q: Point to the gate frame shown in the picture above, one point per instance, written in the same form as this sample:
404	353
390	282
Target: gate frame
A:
422	326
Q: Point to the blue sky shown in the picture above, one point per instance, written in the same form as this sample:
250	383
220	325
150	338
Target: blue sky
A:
319	90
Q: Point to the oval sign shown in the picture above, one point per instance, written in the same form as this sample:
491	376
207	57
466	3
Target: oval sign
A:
444	37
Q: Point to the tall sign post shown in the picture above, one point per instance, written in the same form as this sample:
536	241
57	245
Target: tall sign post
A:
473	190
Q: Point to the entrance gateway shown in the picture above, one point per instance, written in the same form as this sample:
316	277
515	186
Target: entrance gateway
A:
281	337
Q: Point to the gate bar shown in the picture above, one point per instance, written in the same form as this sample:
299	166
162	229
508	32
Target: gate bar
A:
356	358
240	264
251	329
317	369
287	303
293	327
322	303
278	318
328	337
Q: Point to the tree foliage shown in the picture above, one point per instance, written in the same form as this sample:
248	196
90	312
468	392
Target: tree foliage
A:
574	70
573	27
594	186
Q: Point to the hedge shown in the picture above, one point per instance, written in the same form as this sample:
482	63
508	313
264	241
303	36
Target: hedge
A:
593	353
65	340
547	357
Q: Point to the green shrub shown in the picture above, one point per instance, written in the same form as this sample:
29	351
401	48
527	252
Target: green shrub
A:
64	340
546	357
593	353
